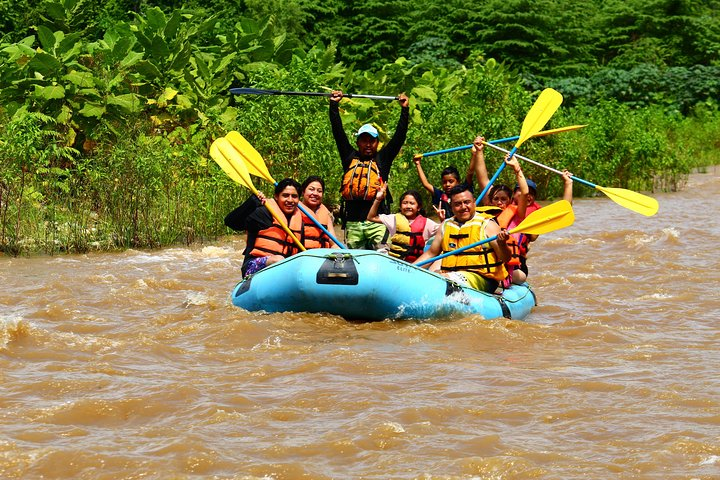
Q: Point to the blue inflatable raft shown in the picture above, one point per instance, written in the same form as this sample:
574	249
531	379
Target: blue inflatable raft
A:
370	286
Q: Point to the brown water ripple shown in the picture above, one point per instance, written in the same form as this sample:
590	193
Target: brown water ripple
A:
135	365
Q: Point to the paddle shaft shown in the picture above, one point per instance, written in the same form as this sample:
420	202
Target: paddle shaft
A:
505	140
545	220
634	201
257	91
466	147
459	250
529	160
320	225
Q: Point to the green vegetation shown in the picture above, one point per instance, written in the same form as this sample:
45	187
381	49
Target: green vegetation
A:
107	110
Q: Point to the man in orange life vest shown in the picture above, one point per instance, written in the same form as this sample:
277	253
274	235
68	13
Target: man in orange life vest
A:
365	169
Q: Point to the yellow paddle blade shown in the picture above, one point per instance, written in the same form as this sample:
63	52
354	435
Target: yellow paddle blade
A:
547	219
234	163
543	108
253	160
224	164
634	201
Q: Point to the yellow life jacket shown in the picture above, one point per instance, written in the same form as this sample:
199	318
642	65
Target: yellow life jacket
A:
313	236
361	180
480	259
408	242
274	240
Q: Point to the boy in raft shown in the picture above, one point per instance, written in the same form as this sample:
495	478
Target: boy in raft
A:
449	178
481	267
409	229
267	241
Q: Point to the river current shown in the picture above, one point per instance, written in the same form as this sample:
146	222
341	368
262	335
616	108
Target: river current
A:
136	365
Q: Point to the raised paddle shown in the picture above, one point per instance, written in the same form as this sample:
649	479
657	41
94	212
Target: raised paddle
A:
543	108
229	160
547	219
256	166
258	91
637	202
503	140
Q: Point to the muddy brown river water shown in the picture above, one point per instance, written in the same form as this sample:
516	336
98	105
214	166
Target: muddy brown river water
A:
136	365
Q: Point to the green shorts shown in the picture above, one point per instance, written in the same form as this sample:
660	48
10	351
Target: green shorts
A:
365	235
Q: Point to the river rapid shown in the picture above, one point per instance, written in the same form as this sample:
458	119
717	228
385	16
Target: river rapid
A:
136	365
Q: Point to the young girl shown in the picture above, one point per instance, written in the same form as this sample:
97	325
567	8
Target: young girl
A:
408	229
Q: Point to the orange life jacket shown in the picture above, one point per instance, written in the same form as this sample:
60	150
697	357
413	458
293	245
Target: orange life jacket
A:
313	236
361	180
408	242
274	240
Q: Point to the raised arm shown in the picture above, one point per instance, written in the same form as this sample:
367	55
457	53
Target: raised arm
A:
373	215
421	174
473	160
568	186
478	162
522	183
392	149
345	149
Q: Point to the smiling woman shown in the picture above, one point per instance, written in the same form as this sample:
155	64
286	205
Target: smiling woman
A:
268	241
316	229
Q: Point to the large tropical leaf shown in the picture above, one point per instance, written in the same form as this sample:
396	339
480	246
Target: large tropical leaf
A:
50	92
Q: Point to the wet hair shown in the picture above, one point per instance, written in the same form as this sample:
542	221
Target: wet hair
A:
499	188
451	171
287	182
418	198
311	179
460	188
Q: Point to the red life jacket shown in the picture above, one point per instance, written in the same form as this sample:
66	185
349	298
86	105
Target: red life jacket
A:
408	242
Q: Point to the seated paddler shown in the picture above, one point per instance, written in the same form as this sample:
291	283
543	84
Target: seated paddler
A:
275	227
481	267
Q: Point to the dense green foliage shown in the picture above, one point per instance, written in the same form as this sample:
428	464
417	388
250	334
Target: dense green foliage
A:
107	110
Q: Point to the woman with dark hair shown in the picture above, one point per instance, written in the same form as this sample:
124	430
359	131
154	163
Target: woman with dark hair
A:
267	240
409	229
312	191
